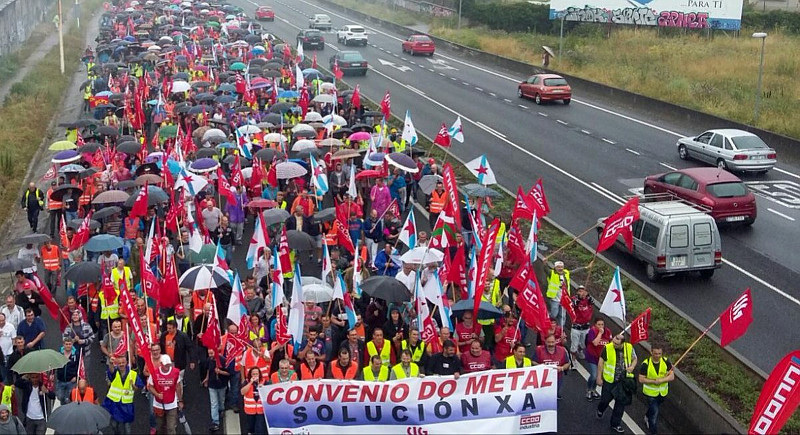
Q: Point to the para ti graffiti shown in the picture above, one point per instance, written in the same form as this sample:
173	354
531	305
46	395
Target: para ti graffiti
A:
638	16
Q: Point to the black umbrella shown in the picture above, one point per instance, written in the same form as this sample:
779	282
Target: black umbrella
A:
275	216
14	264
299	240
387	288
83	272
148	168
106	212
486	311
79	417
155	195
326	215
32	239
361	127
89	148
266	154
126	184
244	162
107	130
203	276
305	134
280	108
76	223
196	110
60	191
273	118
342	132
205	96
129	147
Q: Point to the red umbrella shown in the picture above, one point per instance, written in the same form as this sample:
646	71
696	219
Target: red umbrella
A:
262	204
369	173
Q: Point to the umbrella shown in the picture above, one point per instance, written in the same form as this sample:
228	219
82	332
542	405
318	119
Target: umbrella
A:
303	154
126	184
71	168
331	142
247	129
14	264
106	212
32	239
288	170
266	154
238	66
317	293
272	118
206	153
110	197
326	215
302	127
305	134
299	240
40	361
155	195
323	99
345	154
362	128
62	145
280	108
275	138
403	162
428	183
342	132
67	156
205	164
336	119
214	132
262	204
79	417
480	191
225	99
76	223
304	144
275	216
387	288
548	50
369	173
422	255
486	311
180	86
360	135
103	242
168	131
83	272
313	117
61	191
374	159
107	130
89	148
206	254
129	147
203	276
148	179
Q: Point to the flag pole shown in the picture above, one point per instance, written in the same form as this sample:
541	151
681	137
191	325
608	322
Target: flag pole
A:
574	239
589	270
675	364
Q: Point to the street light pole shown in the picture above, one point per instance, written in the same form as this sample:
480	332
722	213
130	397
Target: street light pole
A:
459	14
561	36
763	37
61	35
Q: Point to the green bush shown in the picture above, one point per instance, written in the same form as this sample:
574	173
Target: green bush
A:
513	17
784	21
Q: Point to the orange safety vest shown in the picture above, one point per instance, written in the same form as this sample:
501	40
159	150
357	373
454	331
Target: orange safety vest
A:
332	237
198	301
131	227
251	405
88	192
350	373
274	379
88	396
52	204
250	359
438	200
306	373
51	258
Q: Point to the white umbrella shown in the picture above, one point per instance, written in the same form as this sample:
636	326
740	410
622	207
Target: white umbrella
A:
303	144
317	293
287	170
302	127
327	86
180	86
247	172
153	48
313	117
203	276
337	120
248	129
324	99
422	255
275	138
213	132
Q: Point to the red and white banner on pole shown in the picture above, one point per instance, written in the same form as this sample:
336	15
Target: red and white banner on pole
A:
736	319
620	223
779	397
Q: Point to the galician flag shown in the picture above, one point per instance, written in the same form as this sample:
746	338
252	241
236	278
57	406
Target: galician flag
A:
350	309
532	244
409	132
277	279
237	307
326	264
455	131
339	287
297	309
408	234
614	302
257	242
319	178
481	169
191	182
357	278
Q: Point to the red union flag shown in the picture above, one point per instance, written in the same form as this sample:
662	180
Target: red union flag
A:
620	223
639	327
451	187
442	137
538	198
532	305
779	396
484	262
522	208
736	319
140	204
386	105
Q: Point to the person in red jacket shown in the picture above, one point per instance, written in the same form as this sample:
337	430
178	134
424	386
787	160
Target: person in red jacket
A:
476	359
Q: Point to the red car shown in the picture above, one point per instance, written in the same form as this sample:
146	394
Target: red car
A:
729	199
419	44
545	87
265	13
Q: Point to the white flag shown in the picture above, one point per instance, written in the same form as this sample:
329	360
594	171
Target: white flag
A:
351	188
455	130
409	132
195	240
298	76
614	302
481	169
408	234
326	264
300	55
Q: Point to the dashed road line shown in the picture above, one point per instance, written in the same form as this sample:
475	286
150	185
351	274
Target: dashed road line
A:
543	114
781	214
441	74
506	100
609	141
561	122
672	168
522	106
632	151
465	83
453	78
586	132
478	89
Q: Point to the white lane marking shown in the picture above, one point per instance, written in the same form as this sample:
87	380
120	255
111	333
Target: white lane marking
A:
522	106
465	83
504	99
609	141
441	74
543	114
671	168
586	132
608	192
561	122
555	167
431	69
490	130
492	94
415	90
632	151
786	172
625	417
478	89
781	214
401	57
453	78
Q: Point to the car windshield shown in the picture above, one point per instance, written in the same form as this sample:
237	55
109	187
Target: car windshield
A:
352	57
421	39
727	190
748	142
312	33
555	82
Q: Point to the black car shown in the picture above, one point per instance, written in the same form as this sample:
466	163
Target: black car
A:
349	62
311	38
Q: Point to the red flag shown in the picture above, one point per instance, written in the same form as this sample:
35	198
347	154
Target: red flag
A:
516	244
140	204
344	237
237	178
168	292
532	305
282	328
337	72
639	327
620	223
394	208
566	302
538	198
386	105
451	187
257	175
314	61
355	100
224	187
523	209
81	367
457	270
283	252
520	279
485	262
303	101
82	235
442	137
287	52
736	318
272	175
779	397
122	346
211	336
109	293
150	285
47	298
51	174
241	85
62	234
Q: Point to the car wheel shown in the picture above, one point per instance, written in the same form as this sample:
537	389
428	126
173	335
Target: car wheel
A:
430	54
566	101
537	99
364	73
411	51
683	153
706	273
519	93
750	221
652	273
721	164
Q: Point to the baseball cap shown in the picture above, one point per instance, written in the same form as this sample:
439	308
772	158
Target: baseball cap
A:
431	161
180	309
27	284
558	263
165	360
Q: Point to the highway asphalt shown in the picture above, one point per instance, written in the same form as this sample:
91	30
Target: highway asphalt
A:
590	155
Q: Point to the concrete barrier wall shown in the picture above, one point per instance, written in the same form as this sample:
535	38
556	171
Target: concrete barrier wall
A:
18	19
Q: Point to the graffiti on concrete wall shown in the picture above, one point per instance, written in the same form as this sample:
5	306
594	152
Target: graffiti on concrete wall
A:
640	16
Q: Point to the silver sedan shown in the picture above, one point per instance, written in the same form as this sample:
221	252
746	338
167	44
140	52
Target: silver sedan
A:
734	150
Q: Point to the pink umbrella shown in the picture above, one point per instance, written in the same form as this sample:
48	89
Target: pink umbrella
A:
359	135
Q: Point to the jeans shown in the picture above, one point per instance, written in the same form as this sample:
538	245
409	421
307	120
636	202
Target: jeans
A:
167	423
556	311
70	215
234	385
591	383
256	423
51	279
605	398
33	218
63	390
37	427
238	230
653	404
217	397
55	221
228	253
119	428
372	247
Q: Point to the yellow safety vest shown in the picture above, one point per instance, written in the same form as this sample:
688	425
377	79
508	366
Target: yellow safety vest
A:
399	373
386	351
655	390
554	283
116	275
511	363
495	301
290	273
120	391
109	310
383	374
399	147
416	355
610	363
184	327
8	394
36	192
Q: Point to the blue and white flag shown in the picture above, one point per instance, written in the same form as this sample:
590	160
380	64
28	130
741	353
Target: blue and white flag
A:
319	179
409	132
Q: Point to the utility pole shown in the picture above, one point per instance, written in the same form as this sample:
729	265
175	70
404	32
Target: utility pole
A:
763	37
61	35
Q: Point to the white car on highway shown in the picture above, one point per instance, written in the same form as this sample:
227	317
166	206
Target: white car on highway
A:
320	22
734	150
352	34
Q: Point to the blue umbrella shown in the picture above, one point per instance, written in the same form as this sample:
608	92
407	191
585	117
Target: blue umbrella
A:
300	162
310	71
205	164
374	159
226	145
486	311
288	94
103	242
66	156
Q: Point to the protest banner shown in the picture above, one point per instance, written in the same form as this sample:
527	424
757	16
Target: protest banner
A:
517	401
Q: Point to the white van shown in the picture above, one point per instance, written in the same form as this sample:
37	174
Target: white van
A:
673	237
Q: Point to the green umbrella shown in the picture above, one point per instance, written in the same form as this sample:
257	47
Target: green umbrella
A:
213	24
40	361
205	256
238	66
168	131
62	145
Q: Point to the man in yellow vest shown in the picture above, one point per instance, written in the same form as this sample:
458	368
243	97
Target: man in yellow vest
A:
518	360
406	368
557	283
615	375
655	374
8	396
381	348
119	399
376	371
416	346
491	295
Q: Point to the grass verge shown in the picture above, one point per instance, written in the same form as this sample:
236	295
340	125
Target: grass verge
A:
30	106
